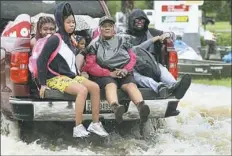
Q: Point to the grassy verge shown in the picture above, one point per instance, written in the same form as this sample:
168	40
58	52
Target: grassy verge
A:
218	82
219	26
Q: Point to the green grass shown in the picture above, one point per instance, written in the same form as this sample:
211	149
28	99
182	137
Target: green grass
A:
218	82
219	26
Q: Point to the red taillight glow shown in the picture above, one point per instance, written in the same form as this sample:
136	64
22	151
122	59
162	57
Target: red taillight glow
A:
173	61
19	67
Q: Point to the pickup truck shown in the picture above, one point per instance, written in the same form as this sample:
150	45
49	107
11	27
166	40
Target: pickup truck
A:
20	100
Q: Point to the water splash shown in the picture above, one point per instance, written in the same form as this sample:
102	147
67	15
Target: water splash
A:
202	128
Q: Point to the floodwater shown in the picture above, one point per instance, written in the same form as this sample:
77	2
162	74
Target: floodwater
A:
202	128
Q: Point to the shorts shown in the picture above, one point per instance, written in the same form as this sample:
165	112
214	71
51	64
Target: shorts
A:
62	82
103	81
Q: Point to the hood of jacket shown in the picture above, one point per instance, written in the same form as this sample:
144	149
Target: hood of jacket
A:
136	13
59	16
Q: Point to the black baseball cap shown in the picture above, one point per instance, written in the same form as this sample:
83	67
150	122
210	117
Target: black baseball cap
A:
106	18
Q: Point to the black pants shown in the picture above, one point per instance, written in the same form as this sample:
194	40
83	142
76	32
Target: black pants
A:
103	81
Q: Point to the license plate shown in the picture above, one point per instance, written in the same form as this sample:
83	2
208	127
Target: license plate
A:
104	106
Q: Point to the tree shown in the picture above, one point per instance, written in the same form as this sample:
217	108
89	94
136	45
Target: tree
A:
127	6
211	6
114	6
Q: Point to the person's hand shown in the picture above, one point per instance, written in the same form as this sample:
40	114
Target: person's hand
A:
84	74
74	42
42	90
122	72
156	38
115	74
164	36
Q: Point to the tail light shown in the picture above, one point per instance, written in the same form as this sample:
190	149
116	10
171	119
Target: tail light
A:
19	67
173	59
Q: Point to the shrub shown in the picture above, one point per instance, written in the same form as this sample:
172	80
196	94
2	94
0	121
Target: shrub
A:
223	39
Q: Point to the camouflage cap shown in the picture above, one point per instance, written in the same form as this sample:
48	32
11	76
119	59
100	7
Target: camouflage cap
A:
106	18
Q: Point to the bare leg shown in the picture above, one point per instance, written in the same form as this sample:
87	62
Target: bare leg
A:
81	92
112	98
136	97
94	91
133	92
111	93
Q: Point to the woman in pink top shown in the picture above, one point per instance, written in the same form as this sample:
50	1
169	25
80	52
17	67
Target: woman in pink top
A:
110	62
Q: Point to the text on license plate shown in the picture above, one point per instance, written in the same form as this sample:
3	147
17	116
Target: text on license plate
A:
104	106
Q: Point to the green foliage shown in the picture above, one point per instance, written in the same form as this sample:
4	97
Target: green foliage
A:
114	6
202	41
219	9
211	6
141	4
223	39
218	82
224	13
219	26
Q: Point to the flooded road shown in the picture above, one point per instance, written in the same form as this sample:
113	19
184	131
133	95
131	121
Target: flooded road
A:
202	128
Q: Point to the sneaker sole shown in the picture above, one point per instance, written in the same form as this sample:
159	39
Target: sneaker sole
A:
144	113
98	134
94	132
85	136
183	87
118	114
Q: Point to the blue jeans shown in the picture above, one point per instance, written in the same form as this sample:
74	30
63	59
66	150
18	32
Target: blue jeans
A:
147	82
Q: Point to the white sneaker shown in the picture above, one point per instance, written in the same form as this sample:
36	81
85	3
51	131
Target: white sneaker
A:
98	129
80	131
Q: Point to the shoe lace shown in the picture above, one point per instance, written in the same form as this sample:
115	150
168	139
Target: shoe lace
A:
83	130
100	126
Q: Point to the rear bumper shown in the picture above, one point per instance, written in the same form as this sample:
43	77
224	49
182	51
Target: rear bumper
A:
65	111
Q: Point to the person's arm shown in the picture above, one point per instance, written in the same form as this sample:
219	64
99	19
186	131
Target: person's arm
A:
168	35
129	66
80	59
146	44
93	68
32	42
49	48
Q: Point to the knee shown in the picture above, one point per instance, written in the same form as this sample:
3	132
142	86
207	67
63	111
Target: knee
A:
82	91
110	86
95	88
129	86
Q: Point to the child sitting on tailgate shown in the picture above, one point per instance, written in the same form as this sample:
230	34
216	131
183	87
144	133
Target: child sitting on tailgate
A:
80	44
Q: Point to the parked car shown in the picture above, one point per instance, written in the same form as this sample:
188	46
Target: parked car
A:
208	20
20	98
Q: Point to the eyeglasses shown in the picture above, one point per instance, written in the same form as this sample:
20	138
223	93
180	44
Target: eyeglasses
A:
139	20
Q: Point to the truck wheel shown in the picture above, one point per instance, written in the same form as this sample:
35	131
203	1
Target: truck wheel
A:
126	103
26	130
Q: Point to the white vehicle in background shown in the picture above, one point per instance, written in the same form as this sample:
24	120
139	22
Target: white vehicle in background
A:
151	16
